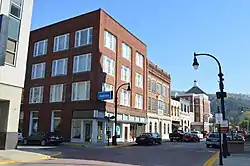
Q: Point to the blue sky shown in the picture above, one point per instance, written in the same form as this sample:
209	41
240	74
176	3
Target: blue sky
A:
173	30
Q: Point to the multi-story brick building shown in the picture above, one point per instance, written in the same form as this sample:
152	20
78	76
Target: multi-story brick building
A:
200	106
15	20
158	101
69	62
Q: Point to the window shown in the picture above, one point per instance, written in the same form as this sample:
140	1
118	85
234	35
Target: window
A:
82	63
108	66
153	86
138	101
11	50
57	93
55	121
149	103
149	83
33	125
80	91
15	8
76	128
168	128
126	51
155	127
159	88
161	105
109	41
164	90
83	37
188	109
108	87
150	127
38	70
36	95
154	105
185	108
167	92
139	60
125	98
138	80
59	67
181	107
14	27
61	42
40	48
125	74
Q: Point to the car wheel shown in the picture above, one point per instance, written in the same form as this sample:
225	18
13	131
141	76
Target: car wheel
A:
25	142
208	146
171	140
43	142
159	142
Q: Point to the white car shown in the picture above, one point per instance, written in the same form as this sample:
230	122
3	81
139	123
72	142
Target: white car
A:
198	133
20	135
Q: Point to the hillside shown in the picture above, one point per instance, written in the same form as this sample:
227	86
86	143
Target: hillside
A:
233	104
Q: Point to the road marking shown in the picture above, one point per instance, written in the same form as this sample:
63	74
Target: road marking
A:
211	161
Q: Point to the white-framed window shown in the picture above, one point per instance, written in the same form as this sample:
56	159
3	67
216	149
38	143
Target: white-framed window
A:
33	125
82	63
40	48
80	91
125	98
36	95
159	88
38	70
57	93
138	101
108	66
83	37
125	73
55	121
138	80
126	51
109	41
108	87
61	42
164	91
59	67
139	60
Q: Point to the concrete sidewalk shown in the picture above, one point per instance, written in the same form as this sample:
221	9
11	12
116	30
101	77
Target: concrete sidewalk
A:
19	156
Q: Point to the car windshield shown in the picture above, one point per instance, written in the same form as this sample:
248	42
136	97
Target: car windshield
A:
52	134
194	132
214	135
146	134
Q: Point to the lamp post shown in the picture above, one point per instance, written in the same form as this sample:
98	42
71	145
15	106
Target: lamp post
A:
220	95
114	138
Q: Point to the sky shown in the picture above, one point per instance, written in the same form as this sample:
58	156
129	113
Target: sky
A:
173	30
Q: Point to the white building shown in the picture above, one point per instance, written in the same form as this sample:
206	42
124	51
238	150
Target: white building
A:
15	30
175	114
186	116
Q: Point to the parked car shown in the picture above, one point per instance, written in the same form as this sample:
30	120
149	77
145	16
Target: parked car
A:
148	139
190	137
176	136
20	136
42	138
200	135
213	140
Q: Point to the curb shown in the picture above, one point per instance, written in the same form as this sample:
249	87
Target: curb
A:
119	146
76	145
211	161
43	158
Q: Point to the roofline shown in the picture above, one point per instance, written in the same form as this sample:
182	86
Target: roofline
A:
67	19
122	26
157	67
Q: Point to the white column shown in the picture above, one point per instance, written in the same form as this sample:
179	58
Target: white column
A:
31	122
52	122
94	131
104	132
82	127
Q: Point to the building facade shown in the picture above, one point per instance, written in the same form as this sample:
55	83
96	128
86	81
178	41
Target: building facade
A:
69	63
175	114
158	101
186	116
15	20
200	106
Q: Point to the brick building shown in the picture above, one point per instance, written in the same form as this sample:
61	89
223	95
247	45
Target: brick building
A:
69	62
158	101
200	106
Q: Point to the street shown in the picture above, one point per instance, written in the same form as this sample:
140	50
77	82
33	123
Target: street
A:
167	154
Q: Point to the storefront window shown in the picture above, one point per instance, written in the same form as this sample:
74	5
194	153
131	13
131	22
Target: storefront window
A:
34	122
55	121
150	127
76	129
155	127
99	137
118	131
164	128
168	128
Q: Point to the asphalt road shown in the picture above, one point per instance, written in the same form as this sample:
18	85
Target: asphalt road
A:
167	154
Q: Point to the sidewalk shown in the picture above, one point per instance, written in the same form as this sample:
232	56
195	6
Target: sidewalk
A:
19	156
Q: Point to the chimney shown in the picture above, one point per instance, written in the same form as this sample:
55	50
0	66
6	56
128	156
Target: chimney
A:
195	83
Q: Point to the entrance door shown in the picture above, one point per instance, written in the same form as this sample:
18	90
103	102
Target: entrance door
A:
126	134
87	132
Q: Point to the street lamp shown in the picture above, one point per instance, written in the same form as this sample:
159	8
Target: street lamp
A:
114	138
220	95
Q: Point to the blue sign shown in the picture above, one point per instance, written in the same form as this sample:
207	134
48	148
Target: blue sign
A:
105	95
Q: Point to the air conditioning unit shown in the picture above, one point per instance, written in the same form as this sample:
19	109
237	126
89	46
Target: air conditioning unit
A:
4	25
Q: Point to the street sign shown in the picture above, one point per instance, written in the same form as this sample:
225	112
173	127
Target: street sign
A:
218	118
105	95
224	126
